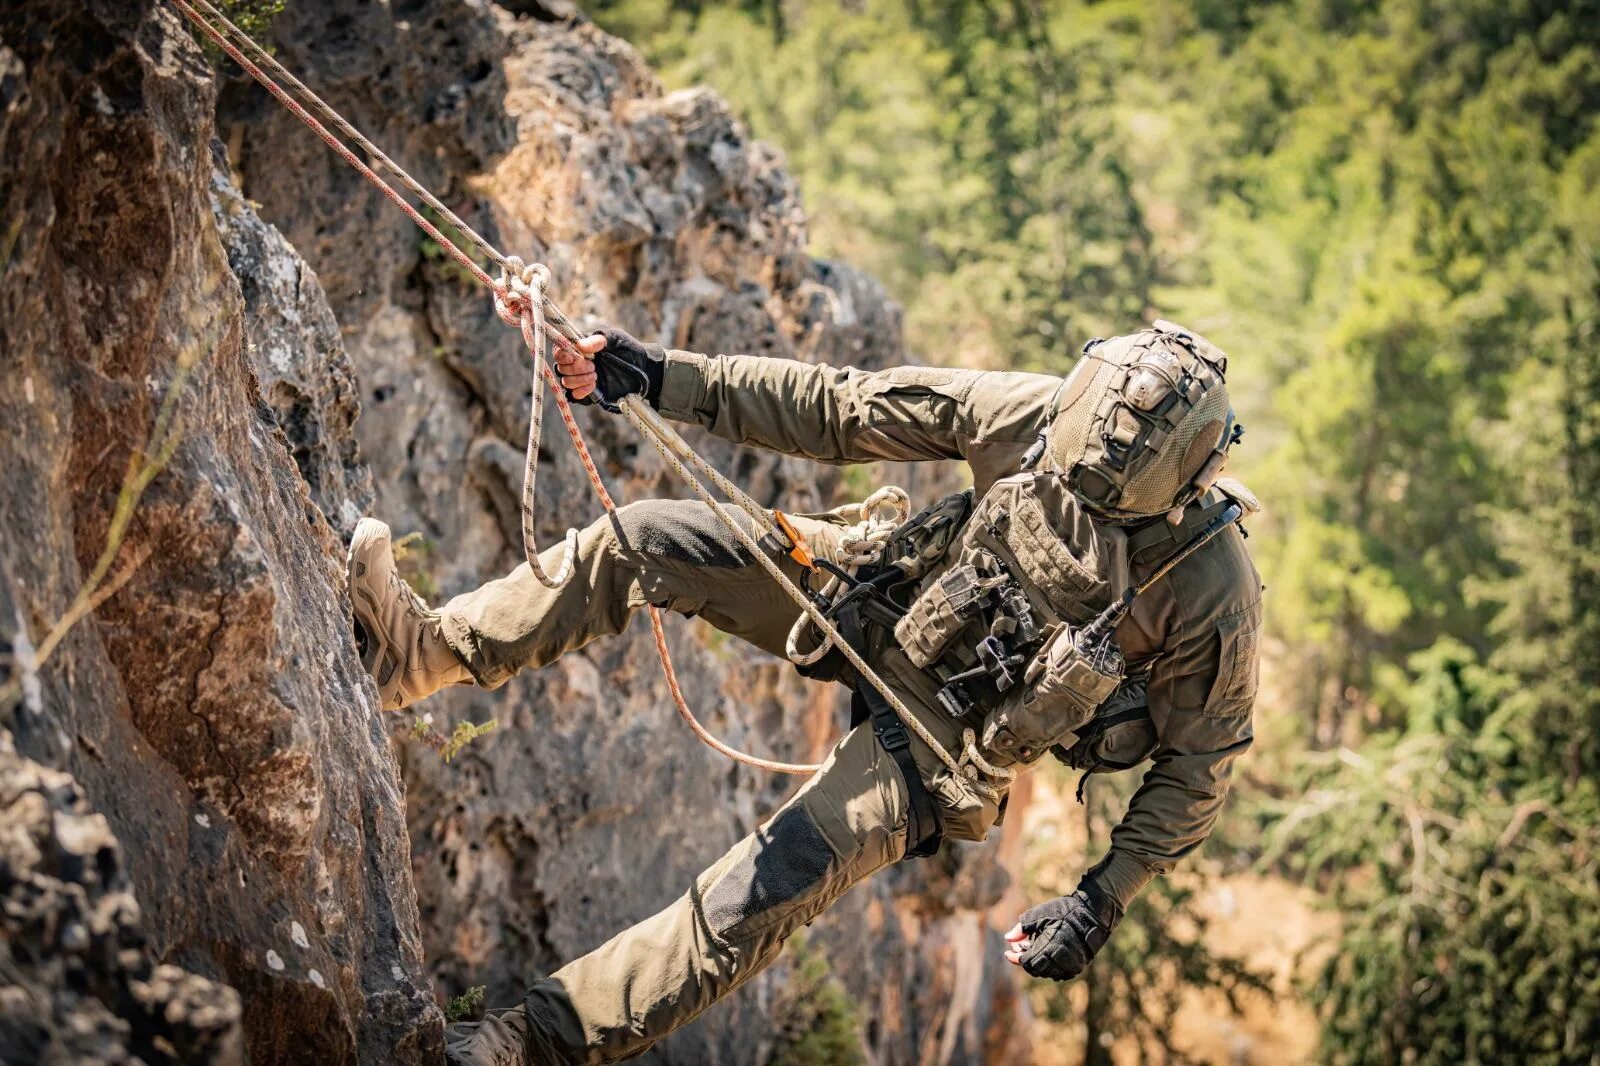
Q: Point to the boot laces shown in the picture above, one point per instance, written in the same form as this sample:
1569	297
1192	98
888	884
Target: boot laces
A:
414	603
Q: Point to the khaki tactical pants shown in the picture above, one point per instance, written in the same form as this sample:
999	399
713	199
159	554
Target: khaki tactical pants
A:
846	822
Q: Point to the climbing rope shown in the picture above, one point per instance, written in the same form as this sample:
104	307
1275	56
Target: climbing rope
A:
522	300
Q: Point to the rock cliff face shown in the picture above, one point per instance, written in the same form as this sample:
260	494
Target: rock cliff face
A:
80	984
212	707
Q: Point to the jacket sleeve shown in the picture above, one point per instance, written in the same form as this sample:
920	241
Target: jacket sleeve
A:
846	415
1201	694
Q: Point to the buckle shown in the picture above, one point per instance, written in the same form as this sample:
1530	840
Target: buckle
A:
992	654
894	737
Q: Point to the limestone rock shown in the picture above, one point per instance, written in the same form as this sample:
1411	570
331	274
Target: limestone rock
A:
77	980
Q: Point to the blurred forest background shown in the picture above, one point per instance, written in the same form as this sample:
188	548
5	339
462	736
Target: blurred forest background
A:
1389	214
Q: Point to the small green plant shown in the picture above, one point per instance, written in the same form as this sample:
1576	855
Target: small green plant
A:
449	747
254	17
465	733
465	1006
144	465
818	1023
434	252
413	554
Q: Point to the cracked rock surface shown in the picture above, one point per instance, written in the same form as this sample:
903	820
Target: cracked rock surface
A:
212	709
78	983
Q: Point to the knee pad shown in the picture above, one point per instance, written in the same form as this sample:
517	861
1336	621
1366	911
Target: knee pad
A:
684	531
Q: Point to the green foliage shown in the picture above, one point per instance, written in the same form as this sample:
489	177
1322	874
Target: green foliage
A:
465	733
436	256
1465	882
1388	211
818	1023
254	17
465	1006
449	747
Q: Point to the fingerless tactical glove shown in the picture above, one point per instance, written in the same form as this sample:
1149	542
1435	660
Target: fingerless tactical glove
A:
626	367
1067	932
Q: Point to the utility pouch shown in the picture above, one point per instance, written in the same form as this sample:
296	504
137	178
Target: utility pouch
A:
1121	736
1063	686
922	543
942	610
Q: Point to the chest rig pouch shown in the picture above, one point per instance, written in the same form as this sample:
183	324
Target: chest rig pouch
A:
1020	627
997	627
874	601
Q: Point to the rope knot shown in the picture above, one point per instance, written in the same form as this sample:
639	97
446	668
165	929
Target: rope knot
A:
519	291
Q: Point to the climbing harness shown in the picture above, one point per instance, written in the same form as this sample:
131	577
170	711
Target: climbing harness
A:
522	300
861	545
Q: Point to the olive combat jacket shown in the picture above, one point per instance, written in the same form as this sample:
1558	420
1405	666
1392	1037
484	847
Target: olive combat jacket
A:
1195	632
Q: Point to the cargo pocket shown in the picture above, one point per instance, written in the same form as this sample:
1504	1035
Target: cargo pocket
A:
913	396
966	815
1238	664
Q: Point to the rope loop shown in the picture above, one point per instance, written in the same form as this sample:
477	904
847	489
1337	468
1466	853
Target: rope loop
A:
973	763
522	289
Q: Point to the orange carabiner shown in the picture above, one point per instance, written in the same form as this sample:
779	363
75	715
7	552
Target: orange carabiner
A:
797	541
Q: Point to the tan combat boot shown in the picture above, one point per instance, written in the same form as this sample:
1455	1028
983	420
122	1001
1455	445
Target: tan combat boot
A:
402	646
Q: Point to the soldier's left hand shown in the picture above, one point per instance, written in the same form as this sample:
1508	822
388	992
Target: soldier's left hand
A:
575	365
1057	939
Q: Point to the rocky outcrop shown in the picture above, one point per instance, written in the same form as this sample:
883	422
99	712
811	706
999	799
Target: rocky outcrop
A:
78	983
211	708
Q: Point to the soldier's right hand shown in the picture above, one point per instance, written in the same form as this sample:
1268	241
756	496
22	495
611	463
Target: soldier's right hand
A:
609	365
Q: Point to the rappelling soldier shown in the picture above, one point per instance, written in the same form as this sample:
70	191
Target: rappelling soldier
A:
1090	599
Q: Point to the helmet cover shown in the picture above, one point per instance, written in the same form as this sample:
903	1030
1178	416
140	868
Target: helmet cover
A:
1142	425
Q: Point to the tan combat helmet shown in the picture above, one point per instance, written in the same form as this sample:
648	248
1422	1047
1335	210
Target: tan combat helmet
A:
1142	425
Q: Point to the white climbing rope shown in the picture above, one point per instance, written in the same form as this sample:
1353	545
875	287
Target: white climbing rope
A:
860	545
521	297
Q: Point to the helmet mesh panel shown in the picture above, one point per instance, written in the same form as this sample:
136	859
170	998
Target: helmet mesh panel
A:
1069	430
1152	490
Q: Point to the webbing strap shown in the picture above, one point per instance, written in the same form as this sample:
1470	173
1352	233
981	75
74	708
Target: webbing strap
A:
924	823
1160	533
